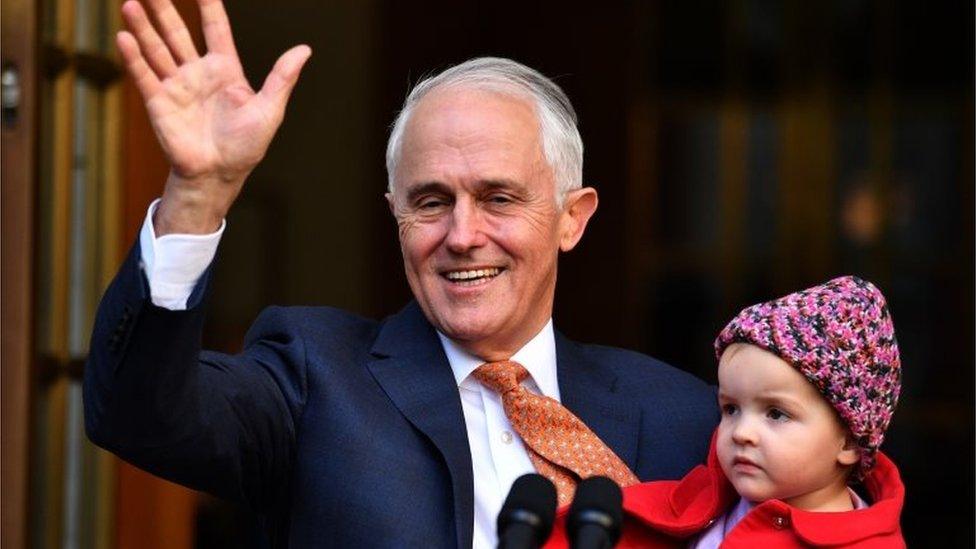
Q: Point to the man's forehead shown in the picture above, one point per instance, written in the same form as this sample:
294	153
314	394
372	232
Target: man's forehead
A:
463	109
491	136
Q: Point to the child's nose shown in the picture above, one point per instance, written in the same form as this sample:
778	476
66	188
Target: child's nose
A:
744	431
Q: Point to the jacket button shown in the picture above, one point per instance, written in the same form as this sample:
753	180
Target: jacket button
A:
780	522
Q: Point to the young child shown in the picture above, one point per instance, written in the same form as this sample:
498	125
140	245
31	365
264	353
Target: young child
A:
807	386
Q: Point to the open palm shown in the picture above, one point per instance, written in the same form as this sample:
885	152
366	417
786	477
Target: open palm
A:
213	127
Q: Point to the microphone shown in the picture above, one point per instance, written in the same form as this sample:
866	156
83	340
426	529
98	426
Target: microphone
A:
525	520
595	515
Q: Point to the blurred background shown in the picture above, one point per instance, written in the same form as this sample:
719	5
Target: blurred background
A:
742	150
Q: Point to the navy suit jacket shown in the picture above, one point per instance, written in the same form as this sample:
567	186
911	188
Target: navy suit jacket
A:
342	431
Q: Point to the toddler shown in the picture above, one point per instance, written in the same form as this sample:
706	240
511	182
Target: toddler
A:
807	386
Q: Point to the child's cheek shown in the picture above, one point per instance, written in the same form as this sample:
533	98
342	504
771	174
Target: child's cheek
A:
723	447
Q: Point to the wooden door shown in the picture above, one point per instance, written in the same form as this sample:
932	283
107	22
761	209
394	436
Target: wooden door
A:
17	149
79	166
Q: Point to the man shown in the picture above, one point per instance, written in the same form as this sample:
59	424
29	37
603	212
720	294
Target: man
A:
344	431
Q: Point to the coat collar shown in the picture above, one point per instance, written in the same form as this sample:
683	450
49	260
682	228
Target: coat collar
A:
887	495
682	508
409	364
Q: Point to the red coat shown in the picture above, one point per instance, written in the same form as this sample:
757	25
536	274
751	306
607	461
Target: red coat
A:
667	513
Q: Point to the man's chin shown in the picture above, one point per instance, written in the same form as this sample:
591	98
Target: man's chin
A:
471	331
466	332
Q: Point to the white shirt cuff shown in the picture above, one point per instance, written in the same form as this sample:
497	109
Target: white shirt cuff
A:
174	263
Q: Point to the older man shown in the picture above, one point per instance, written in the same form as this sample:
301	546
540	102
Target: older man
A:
349	432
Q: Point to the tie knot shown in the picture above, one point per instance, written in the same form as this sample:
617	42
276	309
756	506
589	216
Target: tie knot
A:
501	377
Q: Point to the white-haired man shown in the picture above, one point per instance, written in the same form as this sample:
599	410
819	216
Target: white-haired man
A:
343	431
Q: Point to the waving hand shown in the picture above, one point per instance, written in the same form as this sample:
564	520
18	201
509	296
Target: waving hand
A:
213	127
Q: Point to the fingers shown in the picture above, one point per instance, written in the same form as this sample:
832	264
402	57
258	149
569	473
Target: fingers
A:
174	31
150	44
216	27
282	78
146	80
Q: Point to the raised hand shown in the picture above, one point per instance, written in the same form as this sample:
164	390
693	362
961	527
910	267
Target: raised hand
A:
213	127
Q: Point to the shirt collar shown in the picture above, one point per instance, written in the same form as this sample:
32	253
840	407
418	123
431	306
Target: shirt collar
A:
538	356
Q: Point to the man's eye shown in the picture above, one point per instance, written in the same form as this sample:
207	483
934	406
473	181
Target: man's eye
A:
499	199
776	414
429	204
730	409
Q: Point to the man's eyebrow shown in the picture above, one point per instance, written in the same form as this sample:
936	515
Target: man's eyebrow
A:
436	187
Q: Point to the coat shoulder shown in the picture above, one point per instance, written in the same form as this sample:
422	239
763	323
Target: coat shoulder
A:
648	375
319	326
678	411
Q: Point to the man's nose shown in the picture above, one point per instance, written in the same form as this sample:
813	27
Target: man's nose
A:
467	228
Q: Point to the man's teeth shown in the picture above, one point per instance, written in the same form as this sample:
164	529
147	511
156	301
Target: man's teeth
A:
472	274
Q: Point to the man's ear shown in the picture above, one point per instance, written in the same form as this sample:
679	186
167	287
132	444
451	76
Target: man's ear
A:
849	455
578	207
389	202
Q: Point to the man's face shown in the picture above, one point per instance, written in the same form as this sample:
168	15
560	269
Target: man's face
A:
778	437
479	225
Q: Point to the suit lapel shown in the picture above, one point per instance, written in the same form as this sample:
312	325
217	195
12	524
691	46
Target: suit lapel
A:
589	389
409	364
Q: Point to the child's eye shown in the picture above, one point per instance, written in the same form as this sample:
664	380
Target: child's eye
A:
730	409
776	414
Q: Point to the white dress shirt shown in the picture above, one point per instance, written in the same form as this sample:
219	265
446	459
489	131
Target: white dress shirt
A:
498	456
174	263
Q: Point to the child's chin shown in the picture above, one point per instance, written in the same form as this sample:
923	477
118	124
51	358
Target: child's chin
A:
753	491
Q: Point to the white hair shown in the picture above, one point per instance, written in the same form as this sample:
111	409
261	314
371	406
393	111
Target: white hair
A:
561	142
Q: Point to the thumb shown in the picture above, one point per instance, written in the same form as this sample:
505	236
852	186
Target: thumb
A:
283	76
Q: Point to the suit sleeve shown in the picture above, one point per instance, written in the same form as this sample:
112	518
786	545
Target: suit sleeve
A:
220	423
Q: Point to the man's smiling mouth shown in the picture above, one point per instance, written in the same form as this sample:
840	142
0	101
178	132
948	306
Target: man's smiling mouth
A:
472	277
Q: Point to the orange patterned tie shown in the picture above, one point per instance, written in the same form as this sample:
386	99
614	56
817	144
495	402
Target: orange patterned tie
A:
562	448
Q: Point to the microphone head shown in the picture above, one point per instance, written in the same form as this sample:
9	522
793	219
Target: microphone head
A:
532	501
598	501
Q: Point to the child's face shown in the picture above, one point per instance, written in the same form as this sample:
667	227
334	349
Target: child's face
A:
778	437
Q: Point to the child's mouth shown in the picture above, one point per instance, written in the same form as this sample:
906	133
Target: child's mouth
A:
745	465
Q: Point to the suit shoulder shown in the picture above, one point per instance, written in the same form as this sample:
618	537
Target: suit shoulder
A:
644	372
679	410
320	324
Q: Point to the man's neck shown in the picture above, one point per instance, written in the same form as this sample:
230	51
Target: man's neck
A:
538	356
495	351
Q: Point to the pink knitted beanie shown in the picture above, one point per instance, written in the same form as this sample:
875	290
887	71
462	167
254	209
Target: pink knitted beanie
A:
840	336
